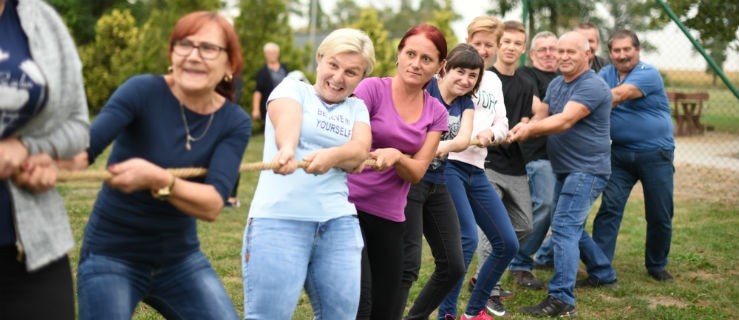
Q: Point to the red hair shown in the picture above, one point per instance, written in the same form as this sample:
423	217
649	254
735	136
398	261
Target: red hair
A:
192	23
430	32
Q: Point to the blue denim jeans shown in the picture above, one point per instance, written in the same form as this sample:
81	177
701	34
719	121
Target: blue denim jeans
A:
576	193
541	185
280	257
110	288
655	170
478	204
545	253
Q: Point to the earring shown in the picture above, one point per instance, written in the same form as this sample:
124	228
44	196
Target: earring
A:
228	78
397	63
169	69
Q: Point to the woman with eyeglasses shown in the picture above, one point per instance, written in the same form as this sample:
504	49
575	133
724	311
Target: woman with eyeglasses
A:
141	243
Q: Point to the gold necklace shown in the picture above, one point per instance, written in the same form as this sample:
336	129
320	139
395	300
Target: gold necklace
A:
188	137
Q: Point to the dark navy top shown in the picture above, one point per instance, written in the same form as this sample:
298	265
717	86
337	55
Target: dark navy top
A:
435	172
22	96
145	120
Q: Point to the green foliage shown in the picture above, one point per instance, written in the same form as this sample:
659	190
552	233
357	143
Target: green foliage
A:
107	60
716	23
345	12
552	15
385	55
81	16
263	21
715	20
443	19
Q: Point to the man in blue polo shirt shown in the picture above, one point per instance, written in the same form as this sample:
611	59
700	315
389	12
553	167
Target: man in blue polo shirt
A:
575	115
642	150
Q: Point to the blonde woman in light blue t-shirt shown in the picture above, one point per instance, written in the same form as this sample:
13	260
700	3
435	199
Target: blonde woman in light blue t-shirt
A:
302	230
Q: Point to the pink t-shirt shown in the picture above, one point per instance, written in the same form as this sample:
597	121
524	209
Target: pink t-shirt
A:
384	193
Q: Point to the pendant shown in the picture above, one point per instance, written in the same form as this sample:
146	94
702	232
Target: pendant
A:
187	145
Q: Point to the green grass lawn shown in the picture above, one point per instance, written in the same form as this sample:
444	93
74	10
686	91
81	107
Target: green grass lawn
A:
704	250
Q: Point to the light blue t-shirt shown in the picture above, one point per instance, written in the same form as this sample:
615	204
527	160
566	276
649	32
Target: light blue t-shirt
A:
586	146
301	196
642	124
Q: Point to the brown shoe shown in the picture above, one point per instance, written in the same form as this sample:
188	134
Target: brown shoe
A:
527	279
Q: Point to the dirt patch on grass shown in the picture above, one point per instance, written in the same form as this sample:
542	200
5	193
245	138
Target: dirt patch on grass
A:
706	169
702	183
654	302
702	275
697	182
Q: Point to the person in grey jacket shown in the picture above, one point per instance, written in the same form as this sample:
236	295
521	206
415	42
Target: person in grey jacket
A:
43	117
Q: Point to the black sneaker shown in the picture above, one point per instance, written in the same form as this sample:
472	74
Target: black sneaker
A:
527	279
499	291
496	308
661	275
591	282
551	306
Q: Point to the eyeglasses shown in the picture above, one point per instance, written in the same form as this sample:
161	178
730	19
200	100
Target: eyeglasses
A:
207	51
545	49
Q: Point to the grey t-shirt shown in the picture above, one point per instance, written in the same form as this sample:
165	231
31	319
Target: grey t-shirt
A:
586	147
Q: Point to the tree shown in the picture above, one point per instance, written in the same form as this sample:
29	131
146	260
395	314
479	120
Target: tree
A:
443	19
717	23
385	56
551	15
263	21
80	16
345	13
106	60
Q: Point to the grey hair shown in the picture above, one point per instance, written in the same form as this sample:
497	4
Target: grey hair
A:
271	45
585	44
541	35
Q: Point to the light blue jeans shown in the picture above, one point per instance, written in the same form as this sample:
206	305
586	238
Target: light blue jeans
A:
576	193
541	185
110	288
280	257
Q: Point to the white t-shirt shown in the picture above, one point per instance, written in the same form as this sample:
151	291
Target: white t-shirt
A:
489	115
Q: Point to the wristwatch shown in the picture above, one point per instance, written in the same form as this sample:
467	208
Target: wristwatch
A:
164	193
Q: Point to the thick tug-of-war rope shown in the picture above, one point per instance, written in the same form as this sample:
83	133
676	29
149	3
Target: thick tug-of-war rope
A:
67	176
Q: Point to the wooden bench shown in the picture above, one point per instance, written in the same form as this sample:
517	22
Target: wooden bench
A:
686	110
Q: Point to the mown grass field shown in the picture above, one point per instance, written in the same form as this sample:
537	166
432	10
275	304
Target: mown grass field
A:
704	252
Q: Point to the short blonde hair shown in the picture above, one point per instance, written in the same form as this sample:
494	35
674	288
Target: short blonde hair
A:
271	45
347	40
488	24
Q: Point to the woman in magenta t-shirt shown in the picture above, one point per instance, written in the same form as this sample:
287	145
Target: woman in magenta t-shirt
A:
406	128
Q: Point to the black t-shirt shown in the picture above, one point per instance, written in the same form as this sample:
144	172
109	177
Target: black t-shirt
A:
536	148
518	93
599	63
